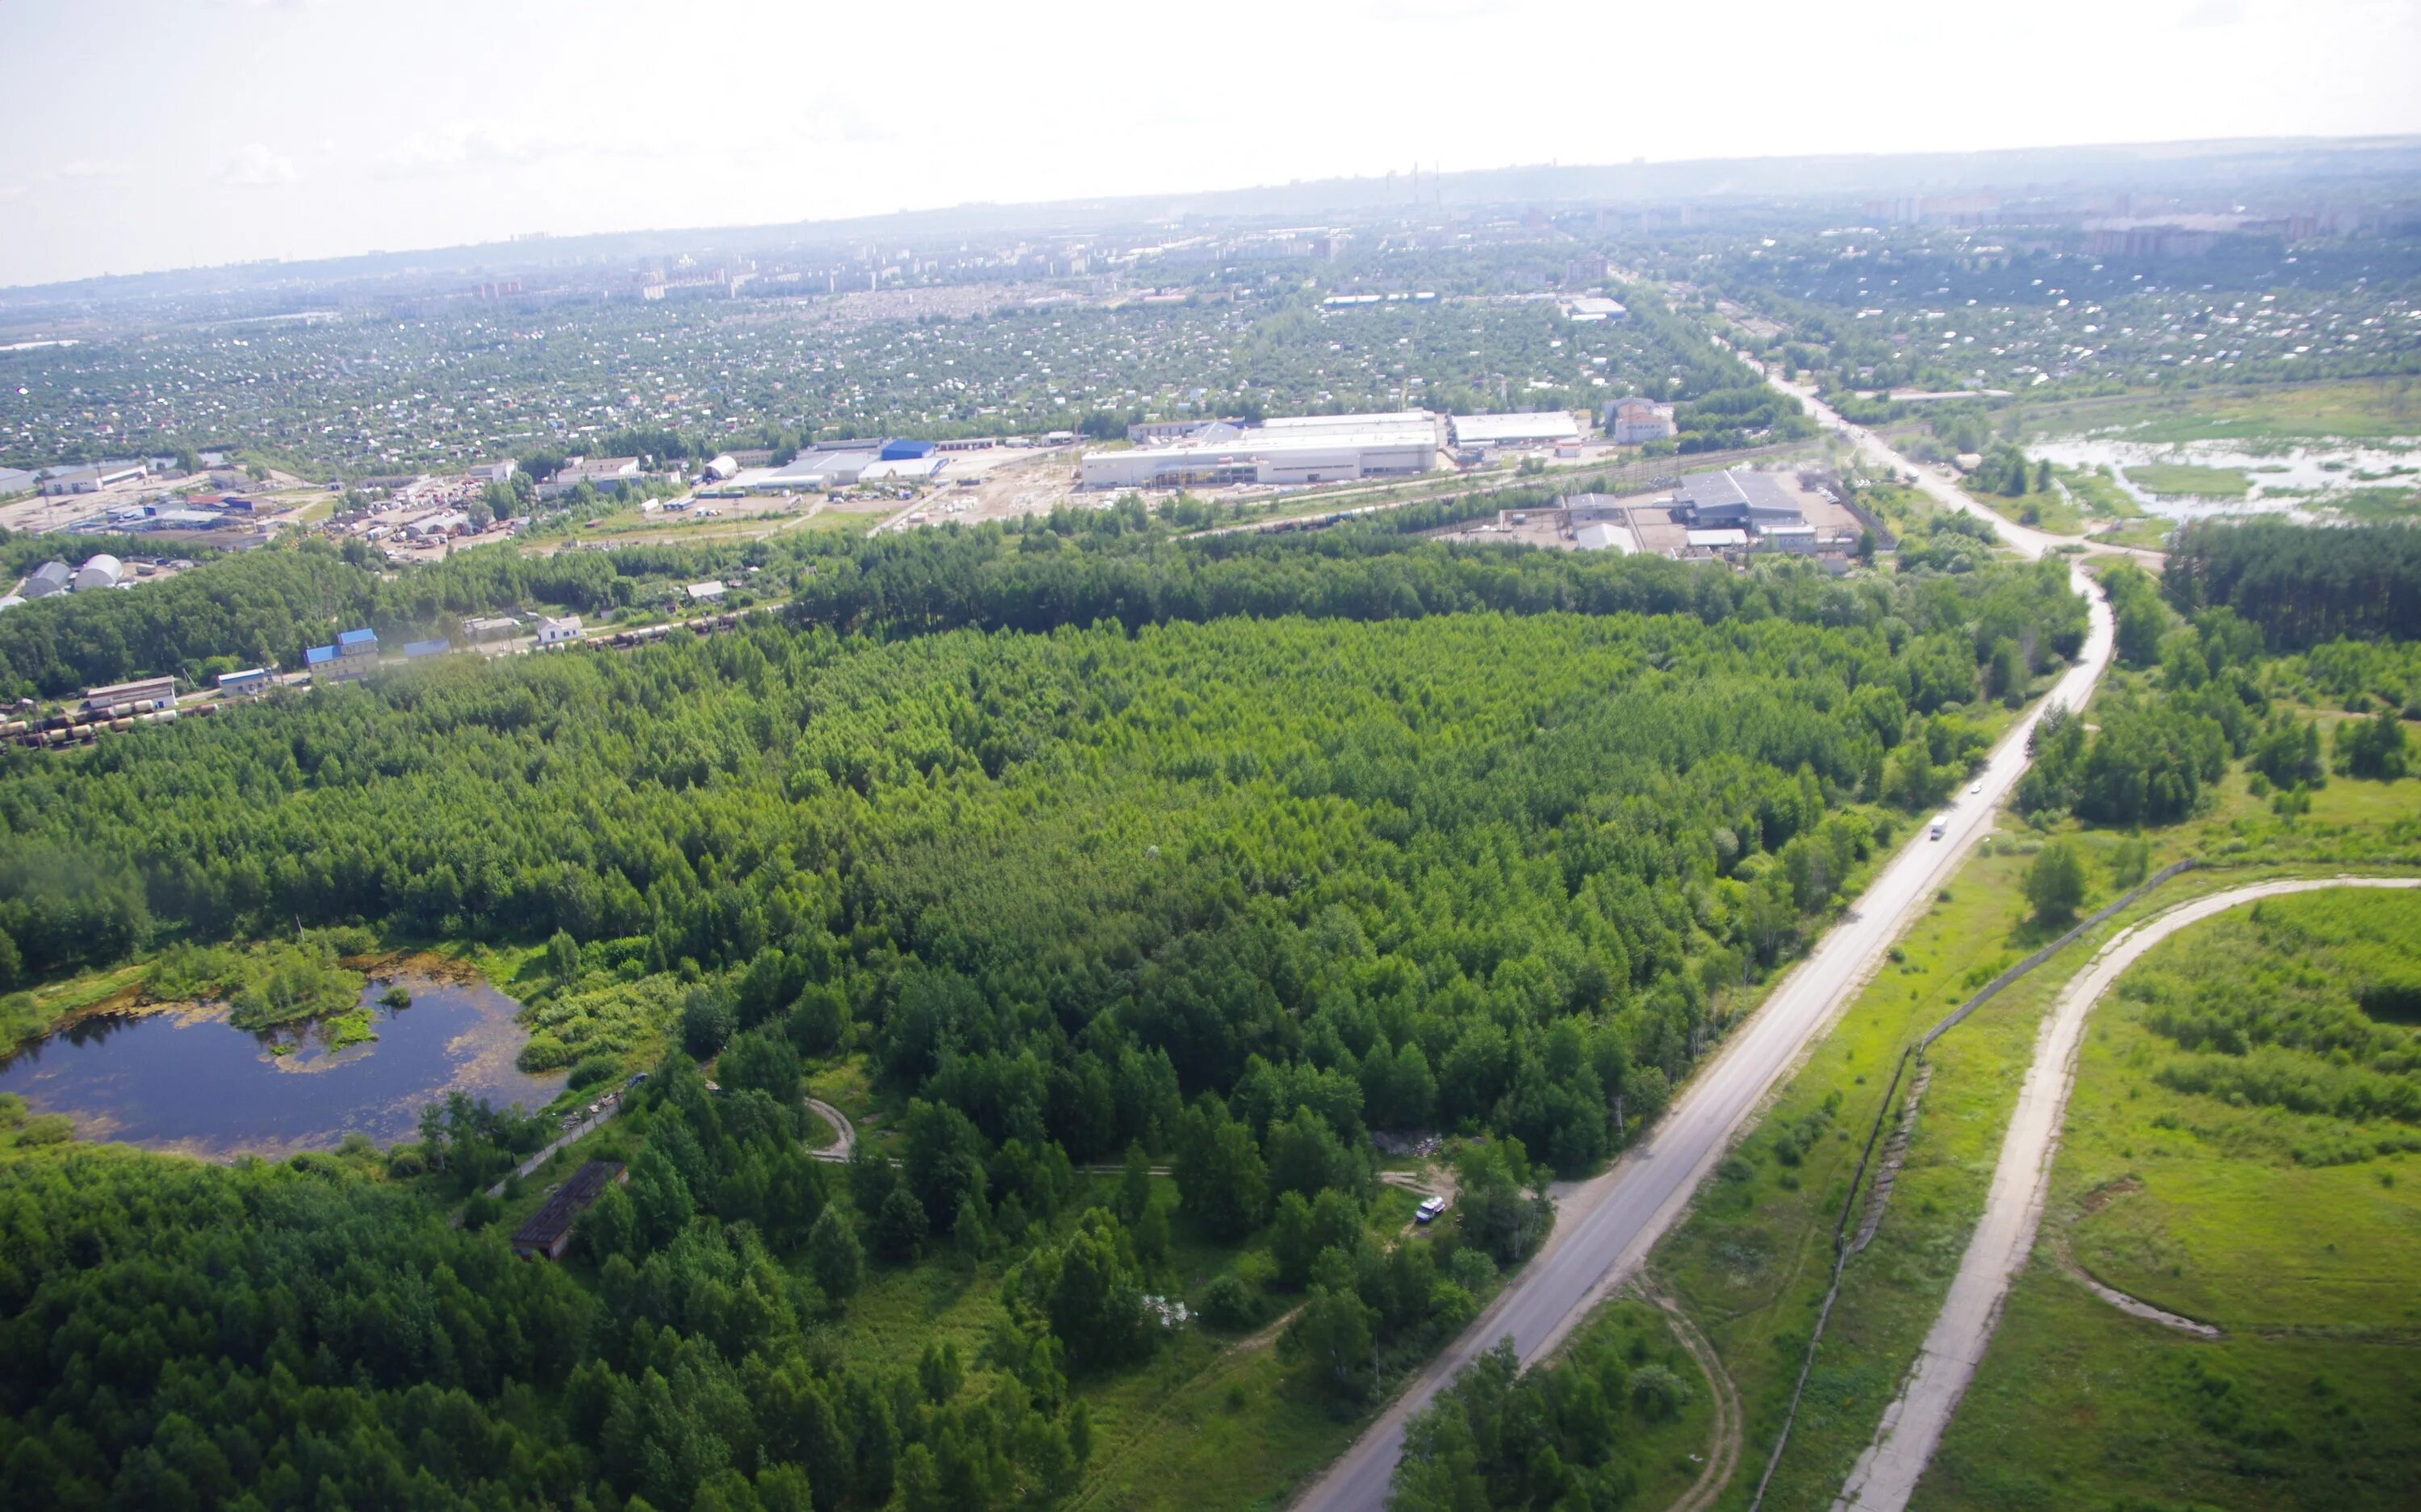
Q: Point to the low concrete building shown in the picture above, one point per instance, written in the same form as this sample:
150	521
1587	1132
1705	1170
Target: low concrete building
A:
704	592
148	692
1605	538
251	682
494	628
89	478
558	632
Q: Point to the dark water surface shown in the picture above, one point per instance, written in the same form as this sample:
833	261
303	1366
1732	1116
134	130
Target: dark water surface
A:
190	1081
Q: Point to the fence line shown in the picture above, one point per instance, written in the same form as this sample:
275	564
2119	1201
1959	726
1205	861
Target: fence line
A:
1907	1055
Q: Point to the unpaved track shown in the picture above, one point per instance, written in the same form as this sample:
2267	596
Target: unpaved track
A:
1887	1473
1724	1452
1605	1226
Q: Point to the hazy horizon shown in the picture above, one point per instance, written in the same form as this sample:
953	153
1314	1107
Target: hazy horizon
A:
465	125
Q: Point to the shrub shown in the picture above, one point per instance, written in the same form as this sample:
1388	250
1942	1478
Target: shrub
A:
1228	1303
593	1070
1657	1393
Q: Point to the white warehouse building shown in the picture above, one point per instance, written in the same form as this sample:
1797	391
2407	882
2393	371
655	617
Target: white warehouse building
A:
1311	448
1545	428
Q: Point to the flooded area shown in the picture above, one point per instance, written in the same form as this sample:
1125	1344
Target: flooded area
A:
189	1081
2300	480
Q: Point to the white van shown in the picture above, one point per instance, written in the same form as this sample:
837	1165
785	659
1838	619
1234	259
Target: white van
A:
1939	825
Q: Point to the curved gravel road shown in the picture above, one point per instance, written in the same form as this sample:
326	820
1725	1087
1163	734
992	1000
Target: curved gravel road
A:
1887	1473
1605	1226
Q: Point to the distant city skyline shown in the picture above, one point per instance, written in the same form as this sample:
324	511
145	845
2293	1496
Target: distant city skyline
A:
160	135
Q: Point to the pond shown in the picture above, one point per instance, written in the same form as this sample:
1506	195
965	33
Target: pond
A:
189	1081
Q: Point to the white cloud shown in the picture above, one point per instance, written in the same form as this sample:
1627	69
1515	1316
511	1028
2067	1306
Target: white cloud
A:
2215	13
255	166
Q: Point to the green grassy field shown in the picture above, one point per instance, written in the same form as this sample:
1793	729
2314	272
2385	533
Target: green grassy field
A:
2185	478
2296	1232
2366	409
2043	510
1752	1260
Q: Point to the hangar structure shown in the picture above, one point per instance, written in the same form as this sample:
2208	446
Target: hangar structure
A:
1310	448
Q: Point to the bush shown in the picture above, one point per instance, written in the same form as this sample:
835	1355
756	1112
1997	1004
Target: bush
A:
593	1070
543	1053
1657	1393
481	1212
47	1129
1228	1303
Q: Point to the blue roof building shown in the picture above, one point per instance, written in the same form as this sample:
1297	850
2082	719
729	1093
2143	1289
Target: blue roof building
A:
420	649
906	451
357	642
318	656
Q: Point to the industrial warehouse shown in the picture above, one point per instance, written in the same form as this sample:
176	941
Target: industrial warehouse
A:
1312	449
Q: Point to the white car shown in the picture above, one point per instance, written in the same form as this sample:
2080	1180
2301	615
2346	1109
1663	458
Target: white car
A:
1428	1211
1974	788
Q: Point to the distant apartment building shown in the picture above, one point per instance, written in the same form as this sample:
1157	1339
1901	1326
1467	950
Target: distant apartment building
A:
1634	420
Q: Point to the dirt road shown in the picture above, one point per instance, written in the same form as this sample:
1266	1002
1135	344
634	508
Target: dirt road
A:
1887	1473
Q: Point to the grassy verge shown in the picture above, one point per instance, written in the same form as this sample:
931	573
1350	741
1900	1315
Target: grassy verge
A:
2296	1232
1752	1260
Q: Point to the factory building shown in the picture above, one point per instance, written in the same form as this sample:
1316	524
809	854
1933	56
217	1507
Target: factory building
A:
89	478
48	577
1317	448
1481	432
1734	499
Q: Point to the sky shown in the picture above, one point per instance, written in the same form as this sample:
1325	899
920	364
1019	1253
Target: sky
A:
144	135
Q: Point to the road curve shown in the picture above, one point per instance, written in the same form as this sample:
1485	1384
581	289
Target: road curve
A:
844	1132
1606	1226
1887	1471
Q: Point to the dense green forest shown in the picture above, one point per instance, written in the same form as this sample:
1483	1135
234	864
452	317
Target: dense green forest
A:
1087	843
1072	567
2301	586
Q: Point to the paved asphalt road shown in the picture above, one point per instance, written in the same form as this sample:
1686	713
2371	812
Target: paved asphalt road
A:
1605	1226
1887	1473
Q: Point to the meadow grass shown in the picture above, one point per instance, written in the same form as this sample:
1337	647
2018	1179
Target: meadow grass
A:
2354	410
2204	1208
2189	479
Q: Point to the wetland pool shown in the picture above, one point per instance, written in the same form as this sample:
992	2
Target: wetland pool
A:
184	1079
